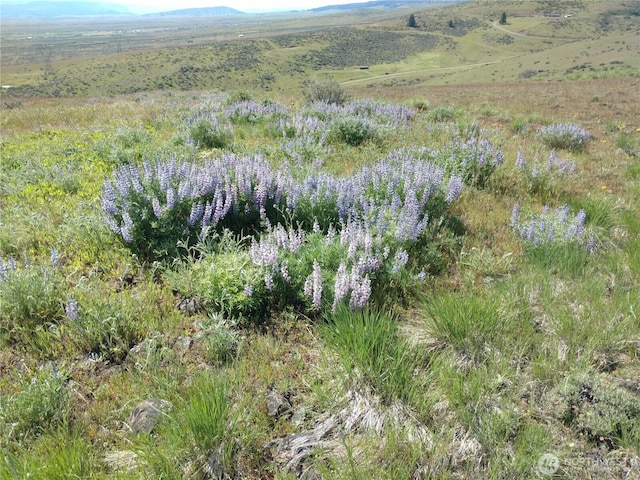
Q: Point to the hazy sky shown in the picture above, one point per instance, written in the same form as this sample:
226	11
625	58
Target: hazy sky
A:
242	5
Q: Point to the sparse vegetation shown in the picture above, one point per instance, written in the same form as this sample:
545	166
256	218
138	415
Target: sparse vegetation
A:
375	275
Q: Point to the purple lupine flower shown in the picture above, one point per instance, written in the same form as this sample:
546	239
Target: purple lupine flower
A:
197	210
341	286
454	188
317	285
248	290
284	272
171	198
515	213
581	219
531	235
268	281
264	252
307	289
127	227
360	292
520	161
399	260
563	213
552	160
109	198
71	309
6	267
55	257
551	233
157	209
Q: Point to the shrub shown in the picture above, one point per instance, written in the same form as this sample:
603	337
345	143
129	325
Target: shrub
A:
541	178
168	203
555	239
250	112
31	300
43	403
551	227
326	91
106	327
565	136
353	131
226	282
599	408
210	133
474	159
441	113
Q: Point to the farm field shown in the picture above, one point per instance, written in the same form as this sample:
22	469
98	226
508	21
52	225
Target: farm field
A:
335	247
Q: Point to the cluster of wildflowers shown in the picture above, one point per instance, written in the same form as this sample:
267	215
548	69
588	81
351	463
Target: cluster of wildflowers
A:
208	130
6	267
350	232
474	159
372	217
553	227
249	111
553	165
567	136
539	177
10	265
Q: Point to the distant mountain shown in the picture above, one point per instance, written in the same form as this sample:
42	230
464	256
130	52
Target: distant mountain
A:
376	3
198	12
60	9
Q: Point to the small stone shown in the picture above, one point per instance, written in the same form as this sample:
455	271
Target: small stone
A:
146	415
189	306
299	414
214	469
277	404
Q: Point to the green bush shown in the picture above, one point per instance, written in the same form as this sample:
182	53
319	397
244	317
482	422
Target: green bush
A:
31	300
106	326
441	113
228	282
327	91
208	134
565	136
43	403
590	404
353	131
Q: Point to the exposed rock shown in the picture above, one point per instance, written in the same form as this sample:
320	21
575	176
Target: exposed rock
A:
189	306
146	415
213	468
298	416
277	403
362	413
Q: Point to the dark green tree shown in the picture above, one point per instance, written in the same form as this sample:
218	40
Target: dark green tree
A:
451	25
411	23
503	18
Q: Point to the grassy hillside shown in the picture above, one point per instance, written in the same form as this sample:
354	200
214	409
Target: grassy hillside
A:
457	44
438	276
